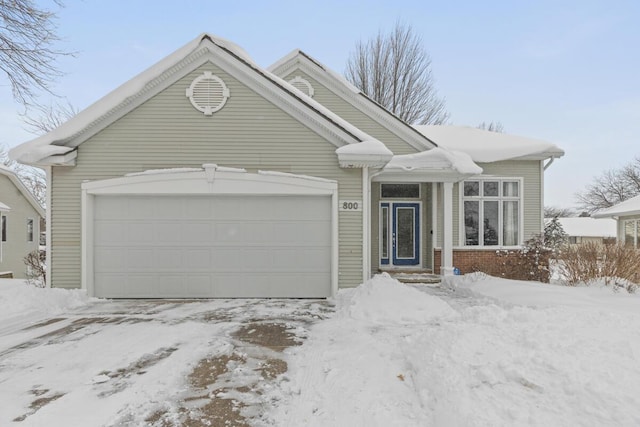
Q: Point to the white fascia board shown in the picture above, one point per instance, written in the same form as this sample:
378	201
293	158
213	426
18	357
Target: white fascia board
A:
357	100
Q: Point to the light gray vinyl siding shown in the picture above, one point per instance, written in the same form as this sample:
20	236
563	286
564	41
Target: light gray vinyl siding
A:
17	247
426	242
354	116
529	171
167	131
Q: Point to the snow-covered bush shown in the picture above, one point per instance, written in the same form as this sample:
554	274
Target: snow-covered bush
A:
529	263
591	262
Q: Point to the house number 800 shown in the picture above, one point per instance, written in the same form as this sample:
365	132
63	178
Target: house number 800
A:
350	205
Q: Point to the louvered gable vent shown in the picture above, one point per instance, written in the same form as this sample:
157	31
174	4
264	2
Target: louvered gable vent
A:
208	93
302	85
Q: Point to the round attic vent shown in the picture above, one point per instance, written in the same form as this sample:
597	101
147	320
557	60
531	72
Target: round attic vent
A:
208	93
302	85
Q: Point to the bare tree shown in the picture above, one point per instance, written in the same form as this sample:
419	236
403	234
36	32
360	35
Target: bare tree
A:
558	212
27	48
48	118
33	178
491	126
394	70
612	187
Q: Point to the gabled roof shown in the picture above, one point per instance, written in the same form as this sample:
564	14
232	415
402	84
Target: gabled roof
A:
627	208
22	188
58	146
486	147
337	84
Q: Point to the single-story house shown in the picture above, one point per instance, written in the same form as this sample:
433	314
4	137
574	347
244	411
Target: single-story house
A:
210	176
20	216
627	216
588	230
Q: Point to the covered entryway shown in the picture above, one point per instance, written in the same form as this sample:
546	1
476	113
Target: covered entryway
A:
221	234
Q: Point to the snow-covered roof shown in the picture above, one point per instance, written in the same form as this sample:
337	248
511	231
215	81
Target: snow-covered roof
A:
626	208
13	177
436	158
340	86
65	138
588	227
486	147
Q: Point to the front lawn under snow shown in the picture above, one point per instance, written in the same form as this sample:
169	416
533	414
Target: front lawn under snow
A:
475	351
479	351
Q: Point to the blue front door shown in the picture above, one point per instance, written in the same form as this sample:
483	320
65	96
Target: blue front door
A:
400	233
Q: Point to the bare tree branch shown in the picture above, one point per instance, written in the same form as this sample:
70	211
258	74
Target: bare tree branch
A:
611	188
394	70
48	118
27	48
491	127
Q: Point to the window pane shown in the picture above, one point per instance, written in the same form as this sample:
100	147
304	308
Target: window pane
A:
490	188
629	233
490	223
29	230
385	232
405	228
471	229
400	191
510	226
471	188
4	228
637	234
510	189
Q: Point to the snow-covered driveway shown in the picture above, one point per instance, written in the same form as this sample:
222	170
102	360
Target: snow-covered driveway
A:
476	351
148	362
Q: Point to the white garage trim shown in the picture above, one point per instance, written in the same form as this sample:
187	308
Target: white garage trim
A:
211	180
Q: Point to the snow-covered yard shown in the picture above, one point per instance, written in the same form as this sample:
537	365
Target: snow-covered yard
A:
474	351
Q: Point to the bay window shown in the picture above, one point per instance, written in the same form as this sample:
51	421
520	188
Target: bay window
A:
491	212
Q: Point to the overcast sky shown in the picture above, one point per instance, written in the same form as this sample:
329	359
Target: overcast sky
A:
563	71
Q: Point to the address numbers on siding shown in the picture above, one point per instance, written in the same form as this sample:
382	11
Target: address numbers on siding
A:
350	205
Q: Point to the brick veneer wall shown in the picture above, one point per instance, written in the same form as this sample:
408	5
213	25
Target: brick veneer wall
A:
470	260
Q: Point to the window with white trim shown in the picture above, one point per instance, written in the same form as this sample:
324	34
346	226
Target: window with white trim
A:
4	228
632	233
491	212
29	230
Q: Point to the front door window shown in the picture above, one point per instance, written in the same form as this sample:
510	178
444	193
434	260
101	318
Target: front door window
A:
400	220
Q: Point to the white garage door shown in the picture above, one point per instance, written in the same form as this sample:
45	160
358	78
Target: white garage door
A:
184	246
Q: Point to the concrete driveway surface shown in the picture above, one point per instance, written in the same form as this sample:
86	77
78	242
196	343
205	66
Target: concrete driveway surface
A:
151	362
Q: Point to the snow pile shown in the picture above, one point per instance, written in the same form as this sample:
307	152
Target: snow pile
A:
560	359
628	207
435	158
19	299
366	147
384	300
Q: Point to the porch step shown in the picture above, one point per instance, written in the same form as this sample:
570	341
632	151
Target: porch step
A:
428	278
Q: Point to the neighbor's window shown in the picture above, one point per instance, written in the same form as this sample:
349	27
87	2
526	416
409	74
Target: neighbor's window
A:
29	230
632	233
491	209
400	191
4	228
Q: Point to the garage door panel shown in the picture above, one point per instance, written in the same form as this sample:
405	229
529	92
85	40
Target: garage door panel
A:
212	246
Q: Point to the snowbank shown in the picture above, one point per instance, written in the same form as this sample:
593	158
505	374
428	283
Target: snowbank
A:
21	300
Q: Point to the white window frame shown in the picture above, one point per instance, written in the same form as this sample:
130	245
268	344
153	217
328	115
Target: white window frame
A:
33	230
3	219
480	199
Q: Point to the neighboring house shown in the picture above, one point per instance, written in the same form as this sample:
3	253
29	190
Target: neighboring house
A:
159	189
588	230
627	216
20	216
